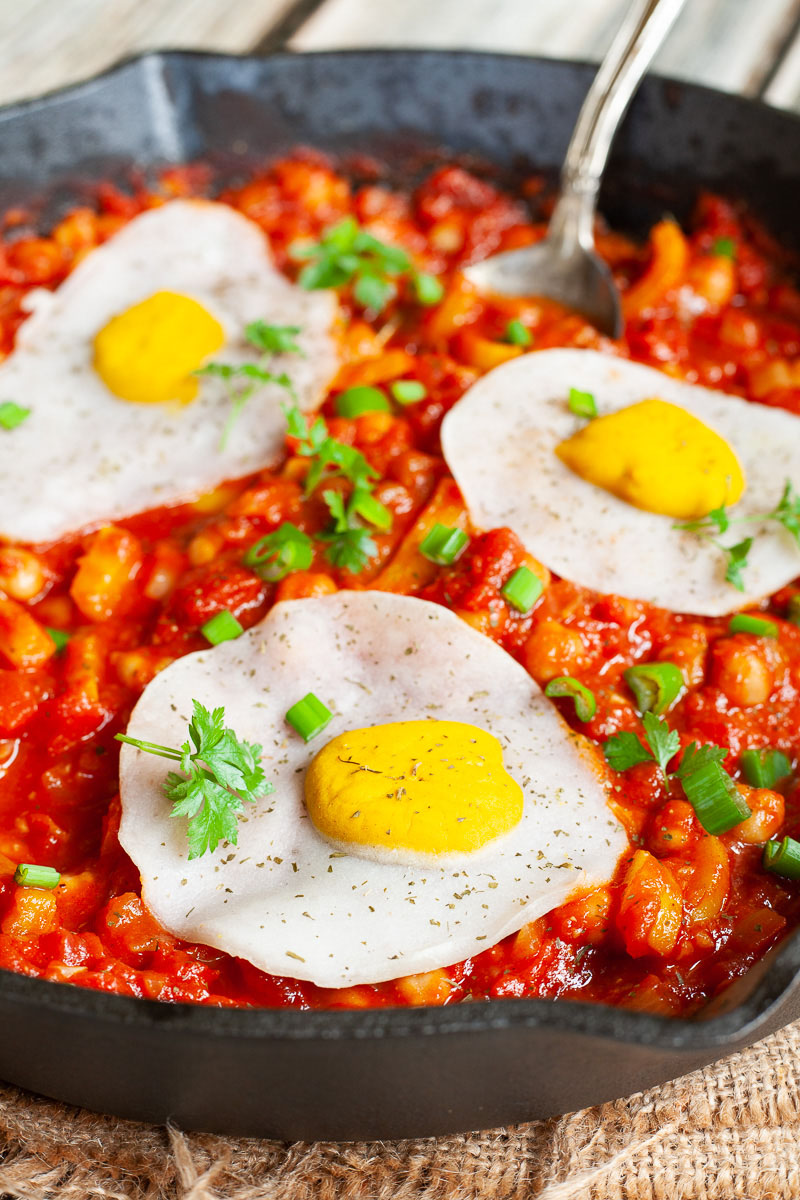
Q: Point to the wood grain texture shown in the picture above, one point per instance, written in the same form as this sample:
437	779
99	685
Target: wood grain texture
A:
738	45
783	88
48	43
729	44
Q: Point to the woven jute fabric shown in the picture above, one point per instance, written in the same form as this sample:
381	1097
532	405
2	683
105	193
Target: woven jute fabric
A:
727	1132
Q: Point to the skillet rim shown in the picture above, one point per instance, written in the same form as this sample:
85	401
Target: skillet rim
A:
780	967
168	55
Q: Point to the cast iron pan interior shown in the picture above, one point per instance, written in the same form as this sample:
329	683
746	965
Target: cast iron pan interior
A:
386	1073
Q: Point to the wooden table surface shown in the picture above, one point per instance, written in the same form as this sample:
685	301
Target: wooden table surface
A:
747	46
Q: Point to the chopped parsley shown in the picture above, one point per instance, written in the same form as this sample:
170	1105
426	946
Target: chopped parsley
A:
242	380
625	750
221	773
708	788
349	543
696	757
348	254
273	339
786	513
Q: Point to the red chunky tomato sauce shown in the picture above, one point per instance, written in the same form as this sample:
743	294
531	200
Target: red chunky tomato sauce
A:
687	912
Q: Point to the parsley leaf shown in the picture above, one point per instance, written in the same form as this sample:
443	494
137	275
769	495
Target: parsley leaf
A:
737	561
350	545
624	750
273	339
371	291
346	253
694	757
349	549
330	457
786	512
719	517
663	741
221	773
243	379
716	519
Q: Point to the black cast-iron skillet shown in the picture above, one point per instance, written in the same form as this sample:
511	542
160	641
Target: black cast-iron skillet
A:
397	1072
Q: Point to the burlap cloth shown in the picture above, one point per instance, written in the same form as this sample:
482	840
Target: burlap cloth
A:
732	1130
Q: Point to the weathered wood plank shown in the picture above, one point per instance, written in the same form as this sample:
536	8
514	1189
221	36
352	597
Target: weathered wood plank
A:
724	43
47	43
731	44
784	87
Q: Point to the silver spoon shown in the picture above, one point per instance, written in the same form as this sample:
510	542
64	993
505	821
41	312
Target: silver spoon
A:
565	266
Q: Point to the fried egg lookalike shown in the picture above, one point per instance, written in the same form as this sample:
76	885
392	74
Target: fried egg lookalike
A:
597	502
119	422
412	791
288	899
658	457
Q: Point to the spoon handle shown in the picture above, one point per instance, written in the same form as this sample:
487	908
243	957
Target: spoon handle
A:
644	28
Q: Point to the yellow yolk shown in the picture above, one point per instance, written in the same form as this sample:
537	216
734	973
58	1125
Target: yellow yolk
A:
147	353
659	457
426	788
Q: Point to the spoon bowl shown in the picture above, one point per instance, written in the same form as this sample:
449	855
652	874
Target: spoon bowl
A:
575	275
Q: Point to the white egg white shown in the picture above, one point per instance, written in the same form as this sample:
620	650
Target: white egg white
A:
84	456
284	899
500	441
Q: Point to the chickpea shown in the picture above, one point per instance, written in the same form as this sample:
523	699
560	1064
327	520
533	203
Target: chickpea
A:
204	547
77	231
650	910
428	987
33	912
688	652
773	375
372	426
714	278
305	584
415	470
552	650
447	235
395	496
529	940
101	586
585	919
56	611
352	997
739	668
295	469
22	574
489	621
672	828
23	641
215	501
38	258
740	330
709	883
136	668
767	813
